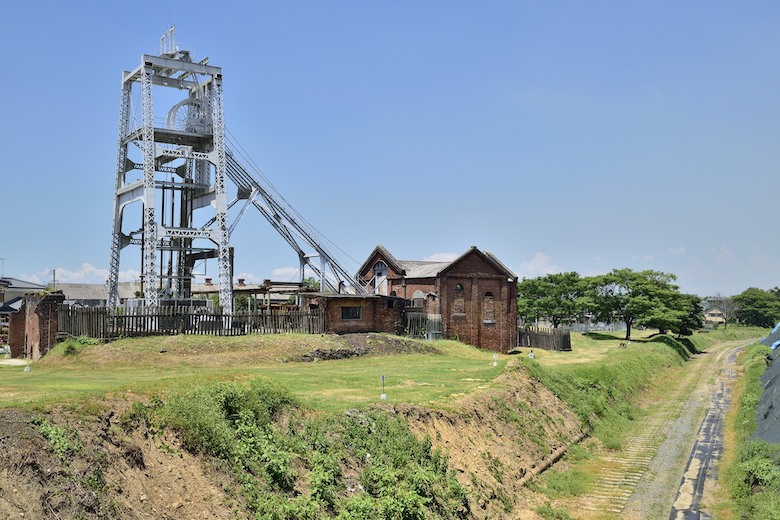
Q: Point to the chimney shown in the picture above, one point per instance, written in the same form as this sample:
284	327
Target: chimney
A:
208	281
241	281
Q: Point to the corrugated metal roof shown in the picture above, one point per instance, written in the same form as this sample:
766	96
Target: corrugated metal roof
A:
421	269
97	291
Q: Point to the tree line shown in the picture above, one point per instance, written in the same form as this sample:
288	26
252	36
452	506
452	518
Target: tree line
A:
637	298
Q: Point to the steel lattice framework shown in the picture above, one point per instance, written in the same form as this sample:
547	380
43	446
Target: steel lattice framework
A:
180	178
182	165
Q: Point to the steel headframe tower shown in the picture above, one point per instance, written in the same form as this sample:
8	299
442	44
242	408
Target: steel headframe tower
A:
174	170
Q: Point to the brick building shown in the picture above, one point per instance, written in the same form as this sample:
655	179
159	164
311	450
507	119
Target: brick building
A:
475	294
350	313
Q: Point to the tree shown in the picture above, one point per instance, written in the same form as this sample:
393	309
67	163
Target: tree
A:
758	307
557	297
312	282
693	316
727	306
645	297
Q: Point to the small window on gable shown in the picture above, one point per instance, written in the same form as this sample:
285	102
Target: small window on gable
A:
351	313
458	288
488	309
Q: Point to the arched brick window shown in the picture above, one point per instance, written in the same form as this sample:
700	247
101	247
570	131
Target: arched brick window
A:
458	301
488	308
418	299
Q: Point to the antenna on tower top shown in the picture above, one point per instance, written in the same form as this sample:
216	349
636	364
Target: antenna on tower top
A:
168	42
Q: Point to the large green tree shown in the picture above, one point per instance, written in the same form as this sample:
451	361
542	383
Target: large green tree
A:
758	307
693	315
638	298
556	297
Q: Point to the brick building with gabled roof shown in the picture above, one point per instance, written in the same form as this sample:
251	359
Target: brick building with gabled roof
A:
475	294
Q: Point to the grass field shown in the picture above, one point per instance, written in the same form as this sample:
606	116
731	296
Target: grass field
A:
139	366
154	364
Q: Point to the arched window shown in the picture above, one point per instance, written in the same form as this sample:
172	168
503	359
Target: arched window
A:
488	309
458	302
380	278
418	299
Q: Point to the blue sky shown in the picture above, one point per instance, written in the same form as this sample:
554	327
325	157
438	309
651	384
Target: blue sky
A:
561	136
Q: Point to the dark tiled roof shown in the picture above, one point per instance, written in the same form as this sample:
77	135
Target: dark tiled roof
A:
15	283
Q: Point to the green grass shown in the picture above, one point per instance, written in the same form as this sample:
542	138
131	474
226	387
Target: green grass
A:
138	366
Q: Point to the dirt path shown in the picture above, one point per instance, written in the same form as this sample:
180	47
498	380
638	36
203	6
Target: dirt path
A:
701	472
643	480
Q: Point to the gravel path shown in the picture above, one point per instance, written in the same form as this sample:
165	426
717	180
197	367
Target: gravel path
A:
642	480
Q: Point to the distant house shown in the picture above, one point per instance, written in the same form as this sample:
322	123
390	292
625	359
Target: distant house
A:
11	288
95	294
3	284
714	316
475	294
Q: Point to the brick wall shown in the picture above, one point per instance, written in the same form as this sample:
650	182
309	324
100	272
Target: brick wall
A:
33	330
16	330
486	314
378	314
48	321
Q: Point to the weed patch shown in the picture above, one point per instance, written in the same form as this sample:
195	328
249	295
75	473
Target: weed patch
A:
64	443
290	464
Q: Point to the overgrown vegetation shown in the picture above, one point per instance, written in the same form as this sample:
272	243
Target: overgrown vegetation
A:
600	394
753	476
292	465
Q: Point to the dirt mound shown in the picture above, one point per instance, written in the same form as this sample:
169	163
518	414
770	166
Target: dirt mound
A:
365	344
91	468
195	352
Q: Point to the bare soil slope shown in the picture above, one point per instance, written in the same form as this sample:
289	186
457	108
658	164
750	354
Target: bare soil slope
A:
110	472
498	439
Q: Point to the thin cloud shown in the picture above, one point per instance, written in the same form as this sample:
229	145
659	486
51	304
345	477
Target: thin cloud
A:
285	273
540	265
86	273
441	257
248	277
677	251
721	251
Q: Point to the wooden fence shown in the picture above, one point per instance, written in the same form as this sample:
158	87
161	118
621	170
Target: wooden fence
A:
545	339
96	322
